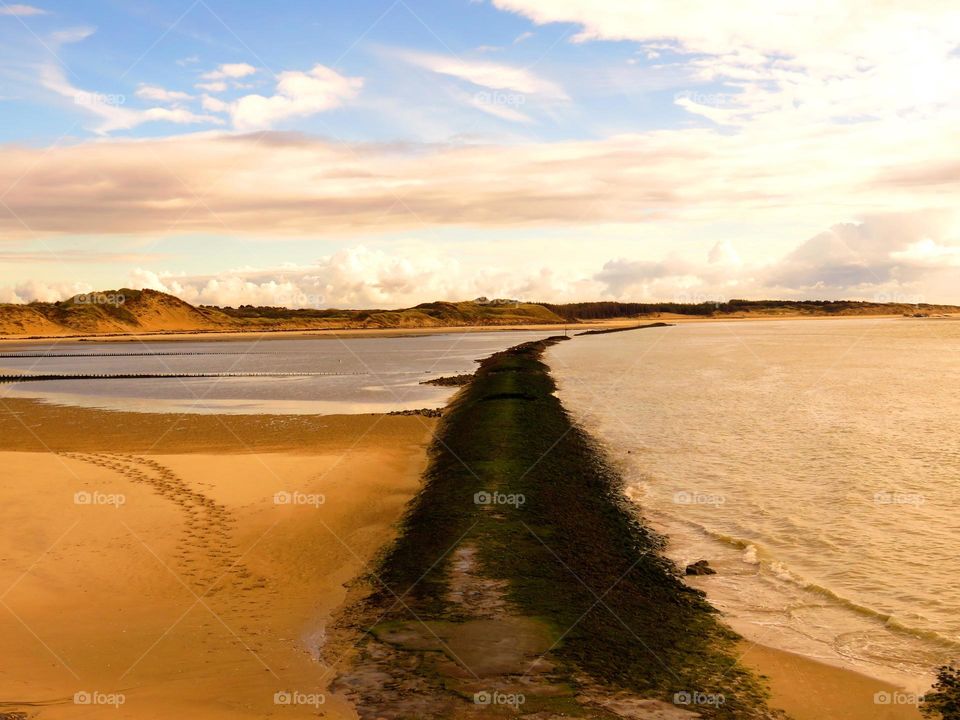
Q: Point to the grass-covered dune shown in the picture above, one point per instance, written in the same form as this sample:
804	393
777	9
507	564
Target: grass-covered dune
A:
125	311
569	550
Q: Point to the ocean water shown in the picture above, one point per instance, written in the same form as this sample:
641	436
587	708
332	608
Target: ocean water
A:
324	375
814	463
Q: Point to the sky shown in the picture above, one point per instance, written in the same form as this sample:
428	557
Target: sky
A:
382	154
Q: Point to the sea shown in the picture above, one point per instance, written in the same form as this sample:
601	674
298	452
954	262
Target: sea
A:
814	463
261	375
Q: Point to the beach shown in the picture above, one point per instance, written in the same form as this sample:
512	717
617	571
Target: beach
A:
208	566
187	567
811	690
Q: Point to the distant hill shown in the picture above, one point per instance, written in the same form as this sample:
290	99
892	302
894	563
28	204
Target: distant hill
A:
127	311
114	311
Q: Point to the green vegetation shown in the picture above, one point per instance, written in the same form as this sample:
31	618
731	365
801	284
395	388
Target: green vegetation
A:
423	315
574	552
943	701
609	310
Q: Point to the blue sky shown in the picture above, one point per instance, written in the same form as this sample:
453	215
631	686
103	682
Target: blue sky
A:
171	45
394	152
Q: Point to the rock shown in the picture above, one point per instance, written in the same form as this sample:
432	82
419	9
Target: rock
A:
454	381
700	567
425	412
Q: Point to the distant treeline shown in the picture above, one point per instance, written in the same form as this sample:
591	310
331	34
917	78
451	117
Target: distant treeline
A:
608	310
281	313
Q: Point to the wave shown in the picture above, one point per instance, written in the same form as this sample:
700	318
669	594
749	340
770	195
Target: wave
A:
756	555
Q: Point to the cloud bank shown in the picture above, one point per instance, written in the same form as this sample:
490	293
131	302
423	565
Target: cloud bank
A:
885	258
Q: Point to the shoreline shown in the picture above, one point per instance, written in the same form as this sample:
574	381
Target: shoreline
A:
808	689
258	335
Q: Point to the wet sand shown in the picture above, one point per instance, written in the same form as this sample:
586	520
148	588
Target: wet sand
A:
161	572
810	690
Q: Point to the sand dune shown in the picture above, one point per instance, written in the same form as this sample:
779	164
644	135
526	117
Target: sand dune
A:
140	312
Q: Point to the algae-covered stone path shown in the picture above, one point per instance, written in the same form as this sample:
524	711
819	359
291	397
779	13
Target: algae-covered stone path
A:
523	584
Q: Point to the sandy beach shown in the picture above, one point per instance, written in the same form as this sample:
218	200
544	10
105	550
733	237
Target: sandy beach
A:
182	567
811	690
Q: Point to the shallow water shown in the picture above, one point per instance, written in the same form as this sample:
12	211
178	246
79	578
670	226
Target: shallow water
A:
349	375
814	463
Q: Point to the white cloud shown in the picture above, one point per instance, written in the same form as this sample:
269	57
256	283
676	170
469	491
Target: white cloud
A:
362	277
848	261
70	35
225	76
693	188
874	259
231	71
800	179
212	104
180	116
159	94
19	10
929	253
297	94
495	76
724	253
31	290
794	60
216	86
903	251
111	108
